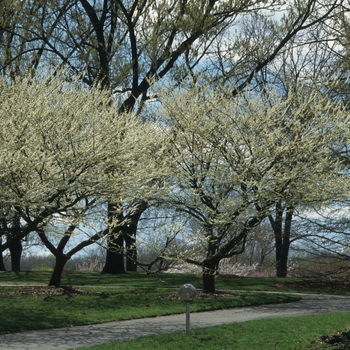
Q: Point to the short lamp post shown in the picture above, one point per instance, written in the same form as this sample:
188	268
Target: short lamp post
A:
187	293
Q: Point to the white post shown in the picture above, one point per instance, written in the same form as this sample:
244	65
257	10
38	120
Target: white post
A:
188	317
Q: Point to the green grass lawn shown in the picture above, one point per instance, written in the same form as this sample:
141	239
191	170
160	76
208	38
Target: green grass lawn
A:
170	281
290	333
136	295
27	312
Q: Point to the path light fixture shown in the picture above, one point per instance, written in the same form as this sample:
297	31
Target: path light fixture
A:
187	293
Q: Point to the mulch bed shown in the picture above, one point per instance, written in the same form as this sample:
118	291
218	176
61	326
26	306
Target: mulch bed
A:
340	341
313	285
332	285
51	291
67	290
200	295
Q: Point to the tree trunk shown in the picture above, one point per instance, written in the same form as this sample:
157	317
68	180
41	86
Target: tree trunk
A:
282	238
209	278
282	263
210	264
281	266
58	270
115	256
16	254
131	252
15	244
2	264
115	241
130	237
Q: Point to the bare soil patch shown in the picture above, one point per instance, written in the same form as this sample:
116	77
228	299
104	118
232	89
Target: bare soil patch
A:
67	290
329	285
340	341
200	295
51	291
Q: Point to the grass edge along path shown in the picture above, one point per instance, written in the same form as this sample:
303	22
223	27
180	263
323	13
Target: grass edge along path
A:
25	312
286	333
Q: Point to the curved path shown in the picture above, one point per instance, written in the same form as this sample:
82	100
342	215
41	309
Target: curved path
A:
75	337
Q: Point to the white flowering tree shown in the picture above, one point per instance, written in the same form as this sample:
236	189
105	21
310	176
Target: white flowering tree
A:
64	154
128	45
231	160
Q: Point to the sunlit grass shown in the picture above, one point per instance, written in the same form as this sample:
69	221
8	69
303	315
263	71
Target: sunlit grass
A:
119	297
27	312
290	333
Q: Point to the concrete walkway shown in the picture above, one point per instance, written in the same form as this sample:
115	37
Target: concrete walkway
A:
75	337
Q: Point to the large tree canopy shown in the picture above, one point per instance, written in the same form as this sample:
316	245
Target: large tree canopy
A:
64	152
232	160
129	46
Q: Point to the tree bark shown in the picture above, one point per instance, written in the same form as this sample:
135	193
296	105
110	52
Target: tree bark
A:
16	254
209	277
119	258
2	264
282	237
56	276
115	241
115	256
130	237
15	240
282	261
131	251
210	266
